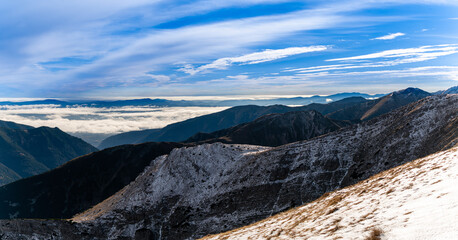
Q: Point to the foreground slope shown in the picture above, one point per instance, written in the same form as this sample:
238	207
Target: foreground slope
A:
274	129
78	184
211	188
418	200
27	151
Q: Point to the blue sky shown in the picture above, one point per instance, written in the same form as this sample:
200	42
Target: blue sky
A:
140	48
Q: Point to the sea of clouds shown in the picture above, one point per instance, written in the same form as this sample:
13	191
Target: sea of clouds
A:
93	124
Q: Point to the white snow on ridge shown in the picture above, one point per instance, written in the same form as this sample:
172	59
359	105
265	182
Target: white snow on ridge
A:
417	200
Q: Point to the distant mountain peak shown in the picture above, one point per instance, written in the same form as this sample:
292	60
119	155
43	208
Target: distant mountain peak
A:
411	90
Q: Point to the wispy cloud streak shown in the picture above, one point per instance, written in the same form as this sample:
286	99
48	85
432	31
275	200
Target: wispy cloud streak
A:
390	36
253	58
406	55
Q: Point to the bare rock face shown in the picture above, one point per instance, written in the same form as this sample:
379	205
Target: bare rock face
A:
212	188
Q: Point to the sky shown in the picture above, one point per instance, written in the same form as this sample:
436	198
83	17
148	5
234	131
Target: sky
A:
139	48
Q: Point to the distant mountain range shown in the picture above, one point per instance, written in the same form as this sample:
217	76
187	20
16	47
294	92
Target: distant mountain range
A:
193	103
27	151
210	188
353	109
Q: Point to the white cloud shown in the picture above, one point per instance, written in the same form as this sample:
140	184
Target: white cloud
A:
389	36
406	55
253	58
160	78
101	120
434	72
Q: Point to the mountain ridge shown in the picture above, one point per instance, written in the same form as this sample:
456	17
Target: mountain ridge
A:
274	129
27	151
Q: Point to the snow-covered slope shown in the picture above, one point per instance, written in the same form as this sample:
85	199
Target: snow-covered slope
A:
212	188
418	200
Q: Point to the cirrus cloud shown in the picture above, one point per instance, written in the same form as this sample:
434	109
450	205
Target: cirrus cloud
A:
389	36
253	58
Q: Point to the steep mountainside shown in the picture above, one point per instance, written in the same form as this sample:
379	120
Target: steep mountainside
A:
274	129
414	201
27	151
213	122
78	184
210	188
374	108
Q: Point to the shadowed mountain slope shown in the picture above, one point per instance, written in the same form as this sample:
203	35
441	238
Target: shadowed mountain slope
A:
210	188
452	90
274	129
78	184
414	201
213	122
370	109
13	125
27	151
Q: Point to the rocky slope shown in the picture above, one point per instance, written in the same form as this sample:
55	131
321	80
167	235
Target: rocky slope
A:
417	200
27	151
274	129
78	184
195	191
